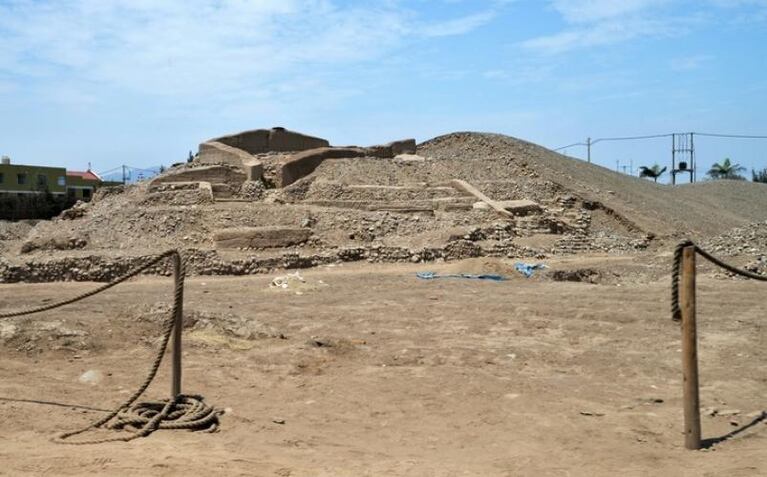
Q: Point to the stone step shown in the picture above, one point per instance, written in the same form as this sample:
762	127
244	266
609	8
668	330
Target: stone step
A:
221	191
413	206
260	237
368	192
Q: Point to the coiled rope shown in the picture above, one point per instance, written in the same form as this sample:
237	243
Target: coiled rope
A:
142	418
676	311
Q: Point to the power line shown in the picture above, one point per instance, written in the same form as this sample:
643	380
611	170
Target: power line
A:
681	143
590	142
110	171
569	146
606	139
131	168
656	136
735	136
629	138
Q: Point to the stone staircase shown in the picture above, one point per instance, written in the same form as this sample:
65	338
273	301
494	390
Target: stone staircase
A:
573	244
410	198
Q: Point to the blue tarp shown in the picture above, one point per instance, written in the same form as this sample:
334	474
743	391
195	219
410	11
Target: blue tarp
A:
434	275
527	269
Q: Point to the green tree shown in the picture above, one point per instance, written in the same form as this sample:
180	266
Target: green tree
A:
759	176
653	172
726	170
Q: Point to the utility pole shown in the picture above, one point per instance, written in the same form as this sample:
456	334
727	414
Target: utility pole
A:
588	149
683	155
673	159
693	166
124	176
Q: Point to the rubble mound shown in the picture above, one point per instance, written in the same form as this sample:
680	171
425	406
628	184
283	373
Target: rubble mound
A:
698	210
749	240
34	335
203	321
14	231
466	195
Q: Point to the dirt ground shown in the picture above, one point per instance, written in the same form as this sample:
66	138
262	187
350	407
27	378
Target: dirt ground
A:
369	371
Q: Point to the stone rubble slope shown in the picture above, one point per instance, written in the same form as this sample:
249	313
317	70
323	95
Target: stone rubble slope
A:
376	209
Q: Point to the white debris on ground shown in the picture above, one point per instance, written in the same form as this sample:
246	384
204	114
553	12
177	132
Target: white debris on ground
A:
294	282
284	281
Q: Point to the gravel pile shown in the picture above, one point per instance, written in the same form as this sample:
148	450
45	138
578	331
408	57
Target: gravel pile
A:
750	240
699	210
13	231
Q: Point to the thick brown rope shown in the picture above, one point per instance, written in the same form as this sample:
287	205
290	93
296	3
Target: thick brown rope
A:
676	311
143	418
151	262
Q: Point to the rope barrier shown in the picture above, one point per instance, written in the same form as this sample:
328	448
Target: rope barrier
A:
143	418
676	312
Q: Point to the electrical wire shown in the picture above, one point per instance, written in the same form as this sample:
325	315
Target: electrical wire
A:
656	136
733	136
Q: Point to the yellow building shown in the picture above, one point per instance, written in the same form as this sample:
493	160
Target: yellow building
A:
82	184
35	192
21	179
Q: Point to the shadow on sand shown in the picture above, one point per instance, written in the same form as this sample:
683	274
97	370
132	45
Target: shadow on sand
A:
711	442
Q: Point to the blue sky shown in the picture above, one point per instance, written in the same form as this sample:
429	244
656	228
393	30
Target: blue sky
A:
141	82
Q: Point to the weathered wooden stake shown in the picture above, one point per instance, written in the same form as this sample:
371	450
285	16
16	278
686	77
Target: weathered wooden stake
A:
690	352
178	325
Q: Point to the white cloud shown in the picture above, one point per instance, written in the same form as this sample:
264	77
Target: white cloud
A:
584	11
602	33
183	48
738	3
592	23
523	73
749	11
690	63
458	26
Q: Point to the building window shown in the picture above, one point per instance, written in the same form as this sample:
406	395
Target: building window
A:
42	180
86	193
2	178
21	179
72	193
62	181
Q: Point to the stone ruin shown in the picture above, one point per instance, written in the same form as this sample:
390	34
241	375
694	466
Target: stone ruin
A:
297	155
255	201
285	160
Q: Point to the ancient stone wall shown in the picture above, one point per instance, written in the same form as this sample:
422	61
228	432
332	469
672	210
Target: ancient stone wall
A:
392	149
260	141
283	140
253	142
208	262
304	163
214	152
261	237
211	174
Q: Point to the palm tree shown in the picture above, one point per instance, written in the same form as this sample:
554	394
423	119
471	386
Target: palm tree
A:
654	172
726	170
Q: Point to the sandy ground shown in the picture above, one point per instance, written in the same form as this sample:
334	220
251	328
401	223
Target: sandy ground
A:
421	378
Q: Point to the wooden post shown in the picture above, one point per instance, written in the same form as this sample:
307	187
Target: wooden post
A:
178	325
690	352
